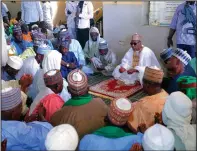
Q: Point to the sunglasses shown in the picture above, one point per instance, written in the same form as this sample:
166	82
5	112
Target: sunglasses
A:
134	43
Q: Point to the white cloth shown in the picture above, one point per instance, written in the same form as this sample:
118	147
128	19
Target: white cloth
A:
30	66
176	115
4	9
31	11
62	137
86	15
72	7
15	62
4	47
158	137
75	47
146	58
47	13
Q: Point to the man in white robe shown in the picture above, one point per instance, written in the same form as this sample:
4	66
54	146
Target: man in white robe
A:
106	60
134	61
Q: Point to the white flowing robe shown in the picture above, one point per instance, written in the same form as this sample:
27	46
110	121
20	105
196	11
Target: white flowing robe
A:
146	58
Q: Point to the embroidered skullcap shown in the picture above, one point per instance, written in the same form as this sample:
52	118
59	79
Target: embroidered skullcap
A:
103	44
64	35
182	55
77	82
158	137
62	137
187	84
17	29
166	54
10	98
52	77
38	38
15	62
34	26
119	111
153	74
43	48
136	37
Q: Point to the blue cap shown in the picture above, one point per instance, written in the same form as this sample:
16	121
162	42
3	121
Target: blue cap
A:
43	48
166	54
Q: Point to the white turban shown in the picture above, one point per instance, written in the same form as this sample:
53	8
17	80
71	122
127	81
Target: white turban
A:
176	115
52	60
62	137
94	29
158	137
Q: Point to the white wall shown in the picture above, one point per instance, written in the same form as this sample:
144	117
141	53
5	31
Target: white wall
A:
122	19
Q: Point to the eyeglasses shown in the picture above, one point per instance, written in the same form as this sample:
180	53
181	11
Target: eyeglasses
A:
134	43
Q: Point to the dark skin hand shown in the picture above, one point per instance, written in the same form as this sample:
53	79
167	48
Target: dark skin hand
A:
170	35
158	118
142	128
41	113
4	145
136	147
121	70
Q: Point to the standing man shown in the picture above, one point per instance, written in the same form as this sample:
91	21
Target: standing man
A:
84	14
184	24
47	14
5	13
31	12
70	11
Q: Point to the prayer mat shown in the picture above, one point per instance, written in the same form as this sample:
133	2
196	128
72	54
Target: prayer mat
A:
113	88
97	78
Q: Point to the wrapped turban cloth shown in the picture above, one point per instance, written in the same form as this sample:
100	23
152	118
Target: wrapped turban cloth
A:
10	98
153	74
182	55
53	77
77	82
158	137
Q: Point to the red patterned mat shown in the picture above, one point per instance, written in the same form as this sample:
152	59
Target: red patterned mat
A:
112	88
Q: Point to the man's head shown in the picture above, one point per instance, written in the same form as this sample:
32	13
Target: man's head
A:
41	50
62	133
177	62
158	137
11	104
136	43
103	47
77	83
53	80
18	17
94	33
190	2
152	80
13	65
24	28
17	33
166	54
35	27
38	39
64	41
64	46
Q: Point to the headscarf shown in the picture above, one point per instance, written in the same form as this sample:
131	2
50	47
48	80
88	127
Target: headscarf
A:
52	60
95	43
176	115
43	48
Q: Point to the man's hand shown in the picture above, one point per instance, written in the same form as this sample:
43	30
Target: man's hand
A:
121	70
131	71
72	65
41	113
142	128
136	147
169	42
158	118
25	81
31	118
4	145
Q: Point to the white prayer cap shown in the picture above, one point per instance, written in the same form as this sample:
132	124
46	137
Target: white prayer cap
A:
62	27
103	44
15	62
94	29
62	137
158	137
182	55
34	26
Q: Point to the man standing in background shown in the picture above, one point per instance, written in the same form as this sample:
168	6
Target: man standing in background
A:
84	14
31	12
5	13
47	14
184	24
70	11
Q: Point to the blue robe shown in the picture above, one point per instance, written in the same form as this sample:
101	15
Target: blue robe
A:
69	58
49	43
5	76
21	47
96	142
173	85
25	136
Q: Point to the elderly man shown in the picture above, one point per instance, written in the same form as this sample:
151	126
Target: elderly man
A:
106	60
177	67
13	130
150	104
82	111
184	24
31	12
176	115
11	69
74	46
134	60
20	44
